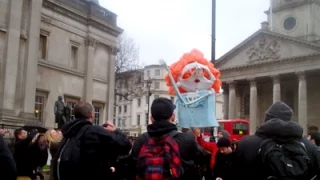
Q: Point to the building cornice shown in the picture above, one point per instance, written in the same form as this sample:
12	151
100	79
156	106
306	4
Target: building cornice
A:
89	17
61	68
291	5
247	42
261	63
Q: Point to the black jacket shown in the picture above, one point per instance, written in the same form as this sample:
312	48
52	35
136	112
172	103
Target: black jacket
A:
22	156
189	149
97	147
224	166
7	165
247	164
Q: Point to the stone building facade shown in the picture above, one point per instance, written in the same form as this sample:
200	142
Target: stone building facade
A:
281	61
51	48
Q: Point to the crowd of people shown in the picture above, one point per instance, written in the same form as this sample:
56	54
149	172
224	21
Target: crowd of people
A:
81	150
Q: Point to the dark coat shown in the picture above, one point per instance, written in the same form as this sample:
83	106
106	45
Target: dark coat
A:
39	155
224	166
189	149
247	164
97	147
22	156
8	168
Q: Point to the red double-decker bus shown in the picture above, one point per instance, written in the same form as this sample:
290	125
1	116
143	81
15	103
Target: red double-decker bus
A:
237	128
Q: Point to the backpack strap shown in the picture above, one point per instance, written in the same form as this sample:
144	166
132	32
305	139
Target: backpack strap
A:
172	134
82	131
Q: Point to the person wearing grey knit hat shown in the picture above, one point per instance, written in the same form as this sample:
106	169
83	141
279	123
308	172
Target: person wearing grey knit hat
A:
279	110
280	128
223	133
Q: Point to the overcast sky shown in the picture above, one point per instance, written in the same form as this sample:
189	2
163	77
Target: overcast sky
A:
165	29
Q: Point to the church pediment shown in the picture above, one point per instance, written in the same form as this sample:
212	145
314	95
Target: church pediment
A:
266	46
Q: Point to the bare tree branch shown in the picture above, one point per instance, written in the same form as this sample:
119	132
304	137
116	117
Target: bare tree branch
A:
129	75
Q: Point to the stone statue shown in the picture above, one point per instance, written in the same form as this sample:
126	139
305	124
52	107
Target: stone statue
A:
59	111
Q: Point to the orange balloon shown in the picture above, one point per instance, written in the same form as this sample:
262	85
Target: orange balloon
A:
194	56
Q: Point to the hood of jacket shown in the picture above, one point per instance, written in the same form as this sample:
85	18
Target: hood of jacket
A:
279	110
280	130
72	127
160	128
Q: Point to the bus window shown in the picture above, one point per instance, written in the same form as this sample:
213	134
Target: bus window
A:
221	126
240	128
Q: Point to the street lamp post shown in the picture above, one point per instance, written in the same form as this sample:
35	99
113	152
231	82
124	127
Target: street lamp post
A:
213	32
149	83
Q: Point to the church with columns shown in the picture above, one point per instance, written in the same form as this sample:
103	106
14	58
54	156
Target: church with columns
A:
279	62
51	48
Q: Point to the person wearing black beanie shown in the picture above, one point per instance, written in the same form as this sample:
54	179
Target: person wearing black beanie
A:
224	160
223	144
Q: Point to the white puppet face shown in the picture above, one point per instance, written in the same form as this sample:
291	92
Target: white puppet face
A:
197	81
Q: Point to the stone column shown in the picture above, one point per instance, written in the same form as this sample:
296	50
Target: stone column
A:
11	58
276	88
111	81
32	58
232	110
225	104
253	106
302	100
90	46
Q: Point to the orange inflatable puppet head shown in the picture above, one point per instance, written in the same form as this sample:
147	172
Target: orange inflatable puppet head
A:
192	73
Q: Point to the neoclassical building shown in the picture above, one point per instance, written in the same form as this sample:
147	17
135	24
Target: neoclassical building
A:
51	48
281	61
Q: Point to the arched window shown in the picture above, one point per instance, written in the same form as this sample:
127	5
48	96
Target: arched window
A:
246	104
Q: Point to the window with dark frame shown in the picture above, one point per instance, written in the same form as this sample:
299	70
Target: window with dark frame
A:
119	108
123	122
147	118
97	111
290	23
172	99
119	122
43	46
157	85
39	107
74	57
239	128
138	119
157	72
125	108
71	102
139	102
